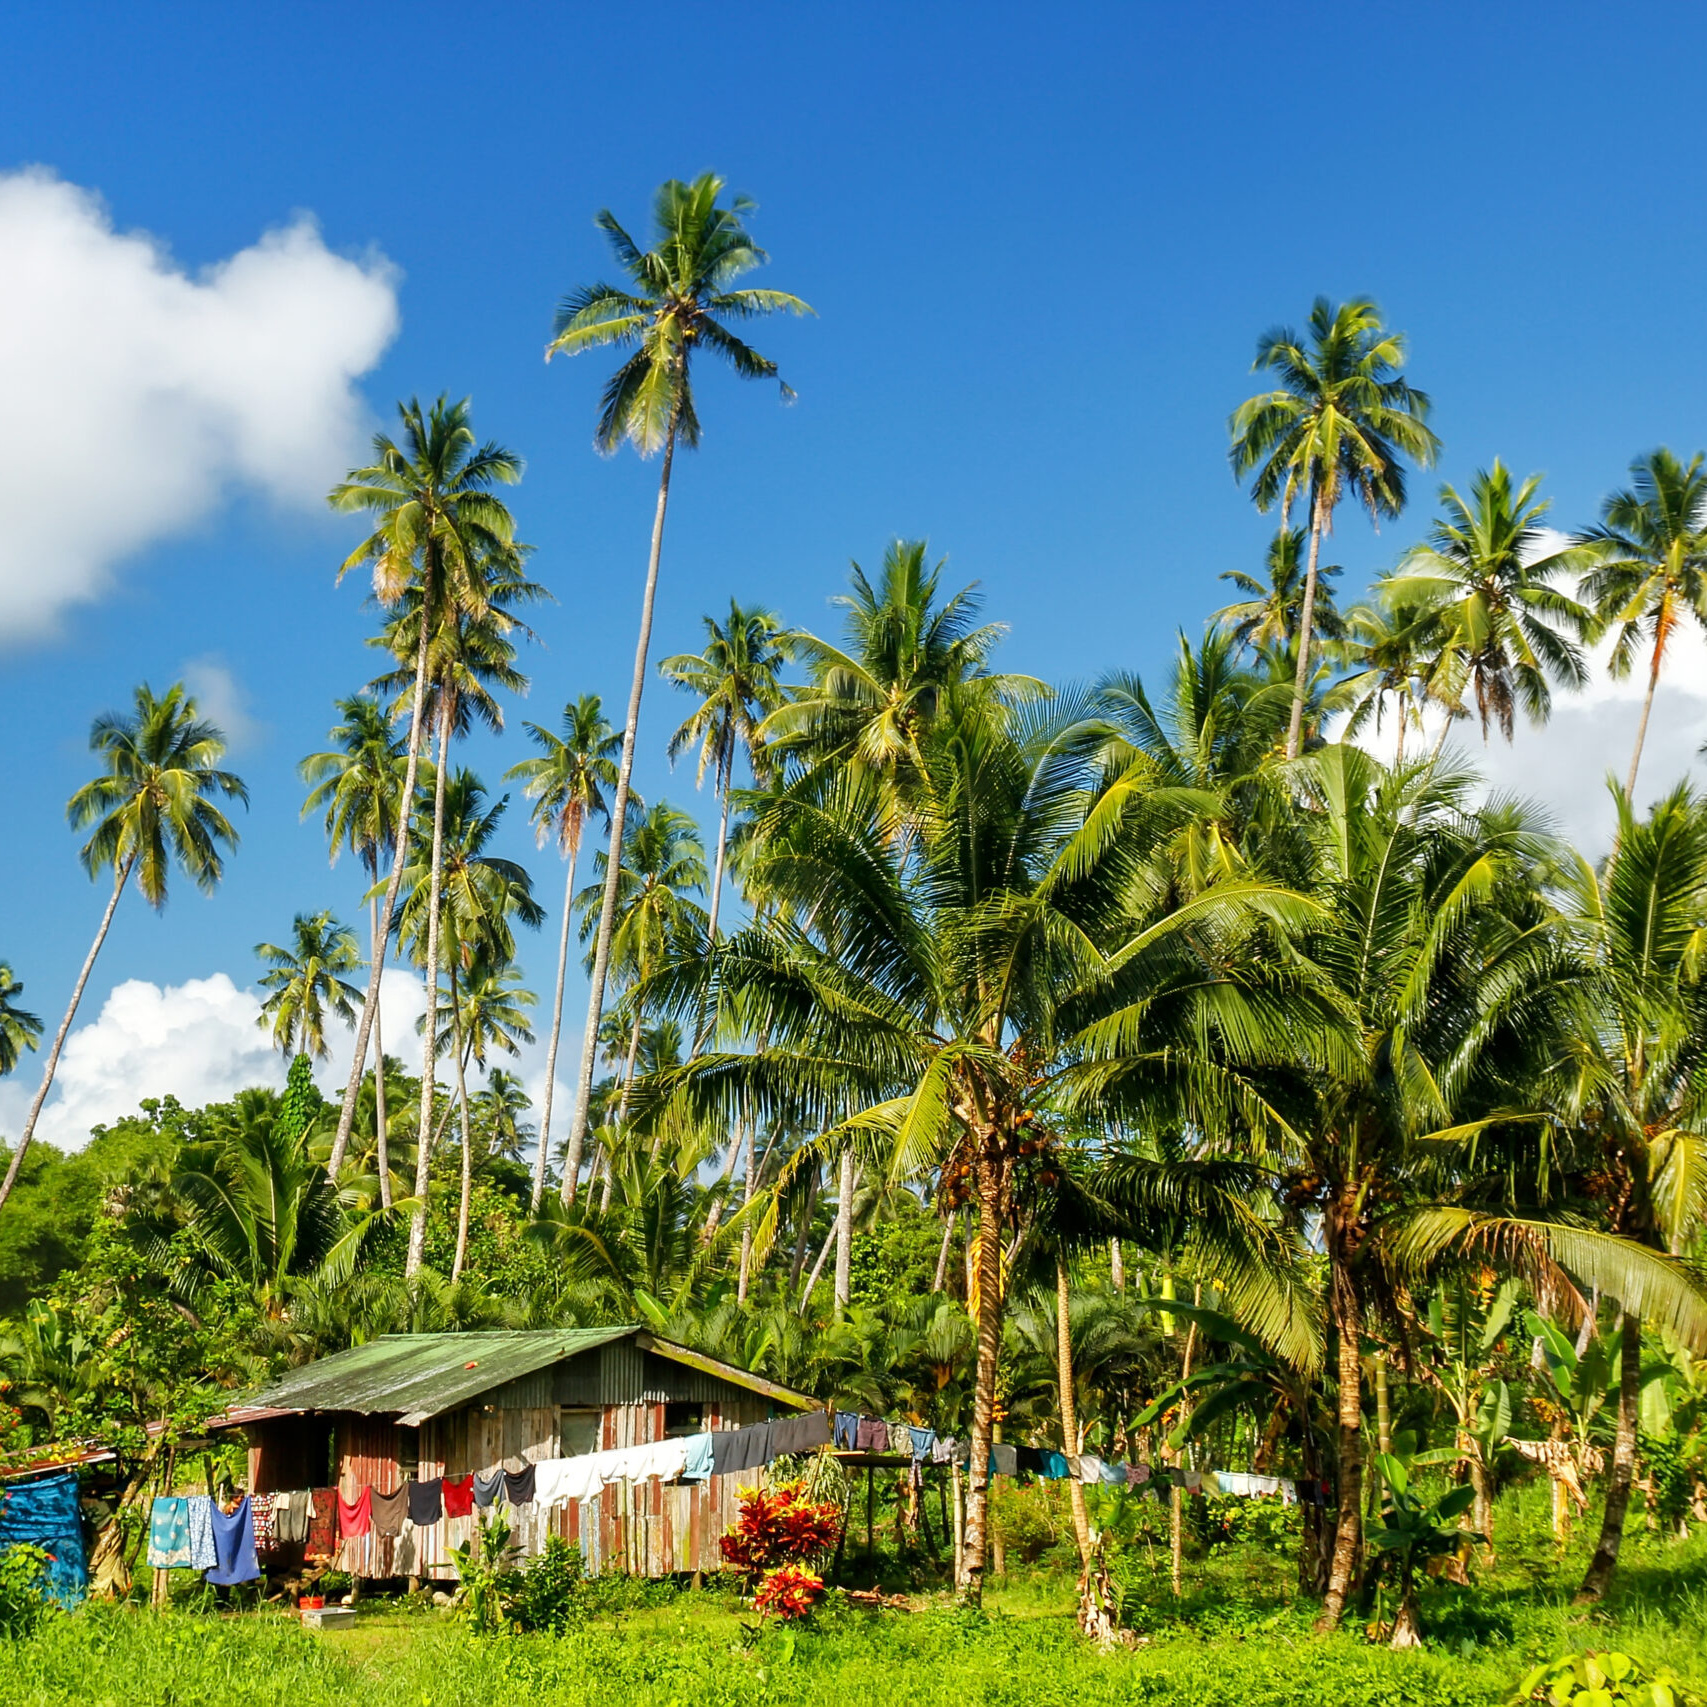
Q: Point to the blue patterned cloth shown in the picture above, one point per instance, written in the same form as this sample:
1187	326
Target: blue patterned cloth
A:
234	1541
169	1533
46	1514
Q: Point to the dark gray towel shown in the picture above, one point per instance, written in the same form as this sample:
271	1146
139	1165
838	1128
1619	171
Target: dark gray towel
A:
488	1487
518	1485
739	1449
426	1502
792	1436
389	1510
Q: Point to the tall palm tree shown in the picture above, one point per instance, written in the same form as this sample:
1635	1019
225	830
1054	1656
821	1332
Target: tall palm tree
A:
567	785
1391	643
152	806
1271	610
1650	573
19	1029
678	299
436	520
1488	575
735	679
359	782
500	1111
1636	1075
305	982
1343	417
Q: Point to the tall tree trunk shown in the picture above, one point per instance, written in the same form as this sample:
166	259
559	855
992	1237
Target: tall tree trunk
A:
430	1036
989	1345
702	1029
120	878
1306	624
1069	1409
381	1138
844	1231
1647	711
405	817
618	815
1176	1502
804	1231
817	1268
1116	1266
539	1161
1347	1313
466	1198
942	1254
1621	1473
747	1225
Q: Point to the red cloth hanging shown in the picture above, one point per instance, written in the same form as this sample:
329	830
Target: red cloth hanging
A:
355	1517
459	1495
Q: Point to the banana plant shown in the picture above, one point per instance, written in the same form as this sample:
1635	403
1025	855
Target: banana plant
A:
1412	1532
1583	1383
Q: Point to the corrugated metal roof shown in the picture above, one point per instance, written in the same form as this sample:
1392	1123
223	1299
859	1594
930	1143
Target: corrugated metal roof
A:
420	1375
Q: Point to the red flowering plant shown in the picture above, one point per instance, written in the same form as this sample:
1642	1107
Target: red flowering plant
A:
790	1591
779	1526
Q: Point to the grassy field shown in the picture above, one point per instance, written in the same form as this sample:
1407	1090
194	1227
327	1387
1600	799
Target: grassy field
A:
1236	1638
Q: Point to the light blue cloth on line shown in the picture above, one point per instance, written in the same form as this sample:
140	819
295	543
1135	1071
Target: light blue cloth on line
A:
923	1440
698	1466
204	1556
234	1541
169	1533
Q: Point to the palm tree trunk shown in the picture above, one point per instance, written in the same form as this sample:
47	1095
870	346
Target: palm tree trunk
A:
1623	1468
1306	624
618	814
817	1269
430	1039
1116	1266
724	764
406	813
804	1232
467	1196
984	1380
539	1161
747	1226
1069	1409
844	1231
942	1254
1347	1315
59	1036
1647	710
381	1138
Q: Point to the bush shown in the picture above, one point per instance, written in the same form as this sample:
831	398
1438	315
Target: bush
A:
1600	1680
546	1596
23	1588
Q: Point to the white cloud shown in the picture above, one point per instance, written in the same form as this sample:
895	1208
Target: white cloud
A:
197	1041
139	394
222	700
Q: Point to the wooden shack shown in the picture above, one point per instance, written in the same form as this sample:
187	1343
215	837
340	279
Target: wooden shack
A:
426	1405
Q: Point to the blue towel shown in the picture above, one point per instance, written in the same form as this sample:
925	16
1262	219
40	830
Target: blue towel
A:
46	1515
923	1440
234	1541
1054	1466
169	1533
698	1466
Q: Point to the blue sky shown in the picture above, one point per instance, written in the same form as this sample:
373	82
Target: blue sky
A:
1041	245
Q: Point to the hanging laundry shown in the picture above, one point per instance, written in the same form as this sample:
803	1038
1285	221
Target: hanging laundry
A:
519	1485
488	1487
322	1526
847	1431
924	1440
872	1435
1004	1459
1191	1481
1137	1474
1115	1475
169	1533
943	1449
261	1513
46	1514
697	1467
234	1543
1029	1461
204	1556
1086	1468
389	1511
792	1437
1055	1465
293	1513
355	1516
459	1496
426	1502
736	1450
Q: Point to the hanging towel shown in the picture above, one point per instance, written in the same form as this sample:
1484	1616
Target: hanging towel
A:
169	1533
1029	1461
203	1554
459	1496
698	1465
1089	1469
389	1510
1004	1459
734	1451
1055	1466
795	1436
1115	1475
518	1485
355	1517
261	1514
322	1526
234	1542
292	1514
488	1487
923	1440
557	1481
426	1502
943	1449
847	1431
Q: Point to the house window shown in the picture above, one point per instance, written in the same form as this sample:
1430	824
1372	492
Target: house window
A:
683	1416
578	1431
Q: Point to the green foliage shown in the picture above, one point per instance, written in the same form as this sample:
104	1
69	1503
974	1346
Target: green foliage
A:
301	1103
23	1582
546	1596
482	1566
1599	1680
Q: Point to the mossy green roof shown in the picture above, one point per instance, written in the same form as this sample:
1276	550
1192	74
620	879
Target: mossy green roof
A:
424	1374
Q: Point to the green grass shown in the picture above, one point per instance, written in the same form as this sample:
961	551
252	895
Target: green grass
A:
1238	1639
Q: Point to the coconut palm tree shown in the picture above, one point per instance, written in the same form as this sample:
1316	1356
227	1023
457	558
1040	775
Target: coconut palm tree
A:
1343	418
735	679
567	784
500	1111
1269	613
305	983
1488	576
436	523
678	300
153	805
19	1029
1391	645
359	783
1650	572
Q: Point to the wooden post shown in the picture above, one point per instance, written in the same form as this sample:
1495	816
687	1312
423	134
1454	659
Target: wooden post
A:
959	1525
870	1513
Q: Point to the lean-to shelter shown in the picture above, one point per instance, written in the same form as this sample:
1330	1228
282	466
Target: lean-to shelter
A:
427	1405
